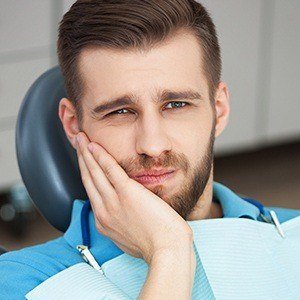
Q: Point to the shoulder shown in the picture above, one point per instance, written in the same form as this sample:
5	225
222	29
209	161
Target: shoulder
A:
24	269
284	214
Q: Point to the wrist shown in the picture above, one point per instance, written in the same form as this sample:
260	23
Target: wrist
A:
177	261
181	251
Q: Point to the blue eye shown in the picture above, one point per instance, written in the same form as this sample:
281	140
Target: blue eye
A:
178	104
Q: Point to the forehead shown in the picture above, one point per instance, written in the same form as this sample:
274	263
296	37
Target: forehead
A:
175	64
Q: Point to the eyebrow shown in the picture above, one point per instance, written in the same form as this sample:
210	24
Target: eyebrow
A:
130	99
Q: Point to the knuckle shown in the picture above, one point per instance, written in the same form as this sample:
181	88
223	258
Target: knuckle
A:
94	171
113	208
110	171
100	228
103	219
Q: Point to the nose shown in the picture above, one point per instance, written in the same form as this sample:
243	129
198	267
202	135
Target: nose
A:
152	139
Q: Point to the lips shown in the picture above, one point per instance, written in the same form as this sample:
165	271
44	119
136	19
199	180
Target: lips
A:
154	172
154	176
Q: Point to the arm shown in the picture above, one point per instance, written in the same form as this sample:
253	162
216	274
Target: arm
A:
139	222
171	274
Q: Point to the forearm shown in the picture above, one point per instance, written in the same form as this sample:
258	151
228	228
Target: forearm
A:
171	274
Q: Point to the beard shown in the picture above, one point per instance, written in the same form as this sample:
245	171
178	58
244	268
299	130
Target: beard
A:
185	200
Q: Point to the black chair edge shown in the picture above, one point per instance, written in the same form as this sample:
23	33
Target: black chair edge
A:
2	250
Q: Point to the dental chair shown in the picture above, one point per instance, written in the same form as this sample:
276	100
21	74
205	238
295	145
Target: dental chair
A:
47	161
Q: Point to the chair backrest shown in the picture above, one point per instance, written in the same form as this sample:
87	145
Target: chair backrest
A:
47	161
2	250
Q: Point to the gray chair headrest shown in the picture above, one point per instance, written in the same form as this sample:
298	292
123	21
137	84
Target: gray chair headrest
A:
47	161
2	250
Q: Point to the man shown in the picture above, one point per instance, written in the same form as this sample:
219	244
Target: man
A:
145	104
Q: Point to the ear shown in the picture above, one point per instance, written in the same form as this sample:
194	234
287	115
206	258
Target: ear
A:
67	115
222	108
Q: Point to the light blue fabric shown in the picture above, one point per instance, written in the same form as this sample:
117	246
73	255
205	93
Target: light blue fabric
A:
234	261
23	270
245	259
80	281
237	258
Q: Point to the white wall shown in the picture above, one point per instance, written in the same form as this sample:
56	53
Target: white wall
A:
26	42
260	42
282	120
238	28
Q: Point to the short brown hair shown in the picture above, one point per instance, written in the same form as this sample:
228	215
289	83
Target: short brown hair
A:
130	25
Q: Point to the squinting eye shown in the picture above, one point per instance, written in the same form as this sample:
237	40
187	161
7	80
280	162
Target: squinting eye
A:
178	105
178	102
116	112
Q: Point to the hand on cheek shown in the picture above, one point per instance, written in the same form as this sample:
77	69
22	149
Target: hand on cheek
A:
137	220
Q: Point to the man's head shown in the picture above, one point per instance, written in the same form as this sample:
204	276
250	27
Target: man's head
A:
160	62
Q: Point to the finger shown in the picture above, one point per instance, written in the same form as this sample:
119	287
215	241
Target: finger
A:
93	194
97	203
111	168
99	178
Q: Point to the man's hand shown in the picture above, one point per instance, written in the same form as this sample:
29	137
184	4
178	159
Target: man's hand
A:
137	220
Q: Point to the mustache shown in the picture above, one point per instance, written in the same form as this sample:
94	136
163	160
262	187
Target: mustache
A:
167	161
144	163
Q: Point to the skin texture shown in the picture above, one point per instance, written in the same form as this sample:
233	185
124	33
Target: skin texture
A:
142	136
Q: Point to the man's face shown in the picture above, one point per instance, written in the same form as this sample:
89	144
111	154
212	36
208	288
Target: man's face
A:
177	134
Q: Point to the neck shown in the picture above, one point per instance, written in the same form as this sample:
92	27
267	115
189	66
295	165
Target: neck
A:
205	207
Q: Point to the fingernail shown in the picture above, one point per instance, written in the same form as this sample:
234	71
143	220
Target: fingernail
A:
90	147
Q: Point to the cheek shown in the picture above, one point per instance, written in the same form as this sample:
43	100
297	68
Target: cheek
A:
116	142
195	141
